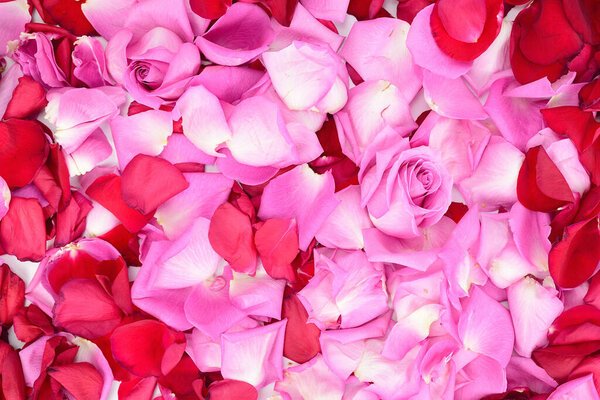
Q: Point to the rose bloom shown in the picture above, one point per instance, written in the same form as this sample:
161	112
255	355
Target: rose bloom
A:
404	188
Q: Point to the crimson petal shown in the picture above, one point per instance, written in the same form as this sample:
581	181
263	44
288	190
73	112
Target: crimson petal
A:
81	380
137	389
23	231
210	9
148	181
580	126
575	258
28	98
227	389
12	294
541	186
13	381
23	150
66	13
277	244
301	342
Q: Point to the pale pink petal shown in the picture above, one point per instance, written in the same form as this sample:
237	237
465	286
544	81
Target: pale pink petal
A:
482	376
246	174
180	150
95	149
184	64
425	51
530	231
312	379
303	74
302	194
107	16
485	327
376	49
116	58
566	158
13	17
152	13
5	199
579	388
204	122
241	35
343	228
254	355
77	113
206	192
332	10
259	136
8	83
258	295
143	133
494	181
306	142
317	299
450	97
209	308
533	308
204	351
439	370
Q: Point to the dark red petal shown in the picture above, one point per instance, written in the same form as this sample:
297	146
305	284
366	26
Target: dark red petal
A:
13	381
526	71
592	297
125	242
277	245
12	294
228	389
210	9
137	389
23	150
573	318
456	211
30	323
66	13
590	365
463	20
106	190
23	231
574	259
230	235
580	126
407	9
541	186
28	98
70	222
560	361
85	309
180	379
562	219
148	181
81	380
281	10
364	9
301	341
589	96
140	346
448	14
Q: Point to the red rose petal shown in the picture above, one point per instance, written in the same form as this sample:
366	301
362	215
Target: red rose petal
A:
580	126
180	379
23	231
148	181
66	13
455	47
589	96
210	9
560	361
12	294
407	9
562	330
30	323
23	151
228	389
28	98
13	381
281	10
141	346
541	186
137	389
592	297
230	235
106	190
364	9
575	258
81	380
70	222
85	309
277	245
301	341
125	242
463	20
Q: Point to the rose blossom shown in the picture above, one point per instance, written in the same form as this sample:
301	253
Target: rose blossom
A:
404	188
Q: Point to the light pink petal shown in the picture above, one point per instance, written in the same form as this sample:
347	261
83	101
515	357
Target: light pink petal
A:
152	13
246	174
306	142
303	74
425	51
305	27
485	327
143	133
533	309
317	299
107	16
494	181
530	231
8	83
206	192
227	83
482	376
184	65
311	205
409	331
89	62
312	379
116	58
524	372
95	149
517	119
204	351
241	35
579	388
259	136
254	355
204	122
258	295
164	304
566	158
332	10
5	199
451	97
13	17
77	113
180	150
376	49
209	309
343	228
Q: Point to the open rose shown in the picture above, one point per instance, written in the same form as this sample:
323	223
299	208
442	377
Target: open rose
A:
404	188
